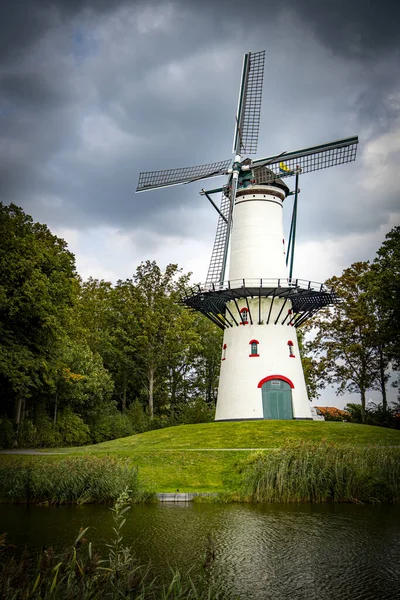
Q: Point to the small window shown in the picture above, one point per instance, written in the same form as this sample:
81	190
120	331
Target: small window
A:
254	348
290	346
223	352
244	315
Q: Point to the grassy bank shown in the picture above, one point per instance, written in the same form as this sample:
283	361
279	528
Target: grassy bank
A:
322	473
207	457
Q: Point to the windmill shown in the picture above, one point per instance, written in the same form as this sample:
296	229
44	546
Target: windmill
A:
259	305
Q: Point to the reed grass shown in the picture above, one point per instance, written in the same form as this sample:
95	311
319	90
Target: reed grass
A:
81	574
322	472
75	480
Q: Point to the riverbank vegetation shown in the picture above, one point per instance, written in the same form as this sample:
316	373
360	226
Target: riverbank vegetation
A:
323	473
81	573
208	458
77	480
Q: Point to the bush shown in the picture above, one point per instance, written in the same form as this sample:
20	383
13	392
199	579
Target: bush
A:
72	429
27	434
197	411
68	481
7	434
322	473
111	427
138	417
47	435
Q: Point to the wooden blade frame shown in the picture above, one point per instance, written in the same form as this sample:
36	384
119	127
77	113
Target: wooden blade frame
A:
247	127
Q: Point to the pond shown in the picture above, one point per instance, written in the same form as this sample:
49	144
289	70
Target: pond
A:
269	551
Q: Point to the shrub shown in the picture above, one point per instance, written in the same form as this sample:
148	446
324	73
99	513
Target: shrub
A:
111	427
7	434
72	429
27	434
196	411
139	418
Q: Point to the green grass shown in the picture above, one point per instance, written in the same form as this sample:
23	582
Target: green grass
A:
246	434
204	457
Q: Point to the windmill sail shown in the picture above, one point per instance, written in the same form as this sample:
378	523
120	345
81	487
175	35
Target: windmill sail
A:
305	160
249	106
150	180
218	257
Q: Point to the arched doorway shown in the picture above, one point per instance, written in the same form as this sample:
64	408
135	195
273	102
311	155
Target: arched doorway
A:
276	398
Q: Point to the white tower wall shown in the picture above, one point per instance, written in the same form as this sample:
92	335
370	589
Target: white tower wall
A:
239	396
257	248
257	252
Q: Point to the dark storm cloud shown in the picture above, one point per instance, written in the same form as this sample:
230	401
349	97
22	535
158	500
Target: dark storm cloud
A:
91	95
353	28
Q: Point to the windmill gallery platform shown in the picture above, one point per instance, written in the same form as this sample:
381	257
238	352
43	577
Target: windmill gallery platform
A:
260	304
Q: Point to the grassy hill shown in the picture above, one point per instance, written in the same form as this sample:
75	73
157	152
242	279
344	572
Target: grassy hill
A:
203	457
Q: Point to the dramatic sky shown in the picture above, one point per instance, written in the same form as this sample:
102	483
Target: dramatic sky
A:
92	92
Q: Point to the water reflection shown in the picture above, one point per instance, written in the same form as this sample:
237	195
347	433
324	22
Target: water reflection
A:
291	552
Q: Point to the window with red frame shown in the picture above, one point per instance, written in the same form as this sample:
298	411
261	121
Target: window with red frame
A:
244	315
254	348
290	346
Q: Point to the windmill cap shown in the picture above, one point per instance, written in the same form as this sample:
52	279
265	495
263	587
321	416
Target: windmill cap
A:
274	182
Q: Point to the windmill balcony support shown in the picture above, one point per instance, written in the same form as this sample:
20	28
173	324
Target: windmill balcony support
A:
221	303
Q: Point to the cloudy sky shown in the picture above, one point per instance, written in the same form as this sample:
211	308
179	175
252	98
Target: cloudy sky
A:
92	92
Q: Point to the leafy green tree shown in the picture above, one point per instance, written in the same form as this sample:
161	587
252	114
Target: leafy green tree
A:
207	361
163	336
382	285
345	340
37	284
308	362
108	320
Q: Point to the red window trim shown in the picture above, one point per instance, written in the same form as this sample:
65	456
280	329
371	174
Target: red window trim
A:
282	377
254	342
246	320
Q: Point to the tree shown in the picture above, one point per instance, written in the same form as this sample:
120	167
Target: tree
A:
309	364
207	361
37	284
382	285
164	330
345	342
108	319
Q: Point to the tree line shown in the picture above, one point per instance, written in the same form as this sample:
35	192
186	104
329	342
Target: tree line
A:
355	344
88	360
84	361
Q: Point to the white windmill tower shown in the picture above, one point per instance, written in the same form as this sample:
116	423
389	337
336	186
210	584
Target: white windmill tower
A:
260	304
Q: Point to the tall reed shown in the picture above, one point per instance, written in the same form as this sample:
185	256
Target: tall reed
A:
81	574
68	481
322	472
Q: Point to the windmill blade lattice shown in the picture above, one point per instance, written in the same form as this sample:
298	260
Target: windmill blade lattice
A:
216	266
305	161
150	180
249	106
